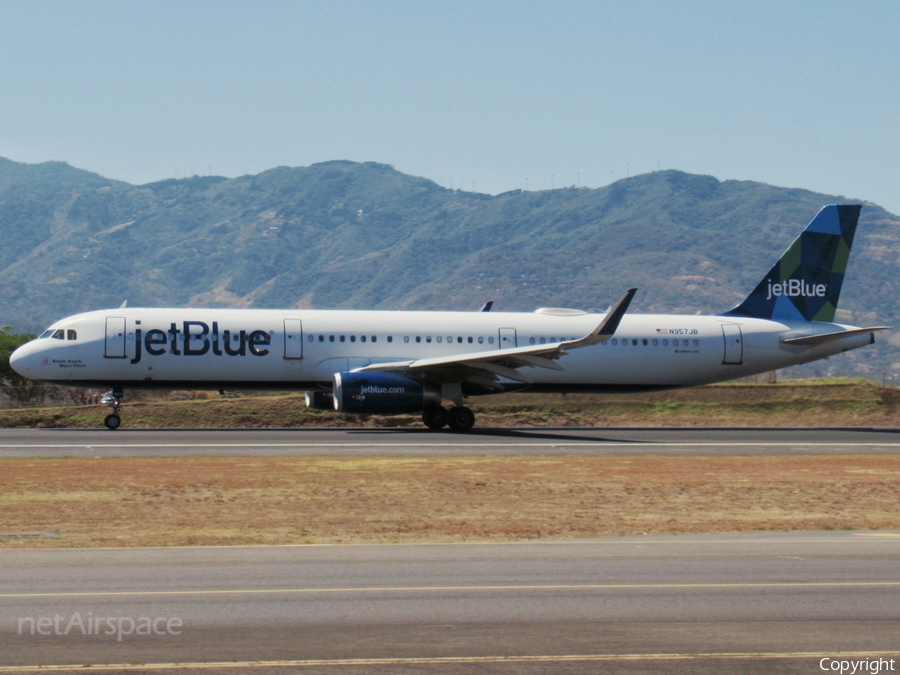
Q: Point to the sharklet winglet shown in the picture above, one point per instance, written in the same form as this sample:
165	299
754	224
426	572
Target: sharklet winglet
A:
606	328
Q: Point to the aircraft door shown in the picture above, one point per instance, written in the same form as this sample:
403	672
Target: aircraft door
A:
293	339
507	338
115	337
734	344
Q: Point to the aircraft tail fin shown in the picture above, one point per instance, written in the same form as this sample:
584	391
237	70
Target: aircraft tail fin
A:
805	283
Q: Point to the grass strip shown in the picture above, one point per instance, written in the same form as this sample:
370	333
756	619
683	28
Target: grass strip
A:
165	501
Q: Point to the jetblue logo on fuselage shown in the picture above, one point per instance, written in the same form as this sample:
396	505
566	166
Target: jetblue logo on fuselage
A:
196	339
796	288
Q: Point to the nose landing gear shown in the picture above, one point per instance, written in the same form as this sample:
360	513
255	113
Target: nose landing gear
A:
115	399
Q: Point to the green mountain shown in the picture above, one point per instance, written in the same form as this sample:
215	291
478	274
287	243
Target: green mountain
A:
349	235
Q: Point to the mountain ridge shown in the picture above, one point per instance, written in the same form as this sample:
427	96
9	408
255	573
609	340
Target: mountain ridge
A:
342	234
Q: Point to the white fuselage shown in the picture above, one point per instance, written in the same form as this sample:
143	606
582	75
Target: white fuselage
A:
303	349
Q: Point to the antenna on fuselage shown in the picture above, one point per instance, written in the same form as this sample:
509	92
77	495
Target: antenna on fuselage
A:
123	305
486	307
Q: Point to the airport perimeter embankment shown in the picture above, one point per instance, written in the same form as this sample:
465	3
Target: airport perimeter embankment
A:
794	403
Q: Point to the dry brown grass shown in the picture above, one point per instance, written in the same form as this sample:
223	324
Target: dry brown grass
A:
279	500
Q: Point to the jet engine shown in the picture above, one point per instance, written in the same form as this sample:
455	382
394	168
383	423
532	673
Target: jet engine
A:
364	392
320	400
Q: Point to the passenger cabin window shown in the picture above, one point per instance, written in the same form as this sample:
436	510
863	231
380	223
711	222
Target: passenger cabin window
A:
491	340
481	340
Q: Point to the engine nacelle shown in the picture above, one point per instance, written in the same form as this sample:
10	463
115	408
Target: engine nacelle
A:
320	400
383	393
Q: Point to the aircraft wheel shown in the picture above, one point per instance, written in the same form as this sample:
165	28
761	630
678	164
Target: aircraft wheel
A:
435	418
461	419
112	421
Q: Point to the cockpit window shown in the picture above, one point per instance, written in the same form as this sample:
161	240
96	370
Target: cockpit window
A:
46	334
71	335
59	334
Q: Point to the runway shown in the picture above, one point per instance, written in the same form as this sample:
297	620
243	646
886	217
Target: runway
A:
685	604
423	443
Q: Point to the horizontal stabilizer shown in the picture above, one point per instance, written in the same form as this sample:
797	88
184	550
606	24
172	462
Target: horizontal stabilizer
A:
822	338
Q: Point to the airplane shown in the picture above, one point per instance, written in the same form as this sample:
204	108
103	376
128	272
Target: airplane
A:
393	362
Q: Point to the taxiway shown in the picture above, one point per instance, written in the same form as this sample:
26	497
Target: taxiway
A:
616	605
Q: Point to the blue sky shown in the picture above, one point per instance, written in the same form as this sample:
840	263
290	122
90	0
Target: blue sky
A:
494	94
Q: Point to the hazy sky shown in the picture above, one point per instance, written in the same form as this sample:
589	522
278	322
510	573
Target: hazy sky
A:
798	94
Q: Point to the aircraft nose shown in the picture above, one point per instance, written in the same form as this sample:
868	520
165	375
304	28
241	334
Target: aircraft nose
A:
21	360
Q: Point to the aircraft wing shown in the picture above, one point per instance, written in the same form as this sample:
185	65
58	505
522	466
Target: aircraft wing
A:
486	367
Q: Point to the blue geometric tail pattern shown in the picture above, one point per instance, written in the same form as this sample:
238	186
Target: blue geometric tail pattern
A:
805	283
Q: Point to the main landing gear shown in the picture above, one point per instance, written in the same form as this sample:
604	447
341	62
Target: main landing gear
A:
115	399
435	418
458	418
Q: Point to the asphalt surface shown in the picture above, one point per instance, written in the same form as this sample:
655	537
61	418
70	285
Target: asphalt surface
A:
688	604
420	442
685	604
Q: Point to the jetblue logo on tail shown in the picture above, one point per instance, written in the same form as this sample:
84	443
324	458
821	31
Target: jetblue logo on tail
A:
796	288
